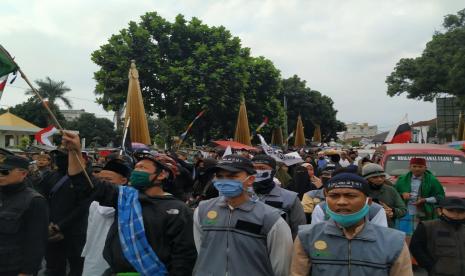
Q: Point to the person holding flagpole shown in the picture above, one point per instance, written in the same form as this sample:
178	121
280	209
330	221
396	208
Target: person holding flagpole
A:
152	233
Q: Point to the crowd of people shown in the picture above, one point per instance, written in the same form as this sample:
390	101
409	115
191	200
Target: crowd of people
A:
245	213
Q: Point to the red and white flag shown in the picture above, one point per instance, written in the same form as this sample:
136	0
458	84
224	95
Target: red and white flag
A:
3	80
43	135
401	133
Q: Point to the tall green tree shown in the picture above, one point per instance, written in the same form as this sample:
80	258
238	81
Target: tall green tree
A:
185	67
439	70
315	109
97	131
52	91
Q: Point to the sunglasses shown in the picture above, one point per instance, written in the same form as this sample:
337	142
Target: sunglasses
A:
4	172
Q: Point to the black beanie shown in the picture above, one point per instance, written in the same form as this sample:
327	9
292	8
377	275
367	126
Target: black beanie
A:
348	180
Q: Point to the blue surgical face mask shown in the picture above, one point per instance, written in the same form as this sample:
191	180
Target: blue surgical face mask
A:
229	187
349	219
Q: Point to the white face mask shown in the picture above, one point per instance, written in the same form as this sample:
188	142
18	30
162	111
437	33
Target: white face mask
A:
263	175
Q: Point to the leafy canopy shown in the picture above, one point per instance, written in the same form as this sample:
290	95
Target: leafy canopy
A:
439	70
97	131
51	90
315	109
185	67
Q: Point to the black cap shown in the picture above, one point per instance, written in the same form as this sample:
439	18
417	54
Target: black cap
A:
348	180
452	202
8	162
264	159
235	163
209	163
118	166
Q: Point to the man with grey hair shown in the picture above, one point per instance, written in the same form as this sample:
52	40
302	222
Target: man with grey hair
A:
383	193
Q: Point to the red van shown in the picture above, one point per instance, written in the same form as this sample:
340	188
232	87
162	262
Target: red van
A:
447	164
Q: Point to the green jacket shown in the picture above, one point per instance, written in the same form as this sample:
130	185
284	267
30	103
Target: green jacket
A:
389	196
429	187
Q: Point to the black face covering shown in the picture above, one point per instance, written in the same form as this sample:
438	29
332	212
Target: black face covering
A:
451	221
375	187
61	161
263	187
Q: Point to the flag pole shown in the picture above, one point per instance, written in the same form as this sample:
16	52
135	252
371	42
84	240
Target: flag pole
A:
48	110
124	136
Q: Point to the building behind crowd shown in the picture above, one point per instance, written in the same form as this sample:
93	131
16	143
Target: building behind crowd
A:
72	114
448	111
13	128
356	130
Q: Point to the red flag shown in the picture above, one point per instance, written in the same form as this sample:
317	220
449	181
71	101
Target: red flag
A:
402	133
3	81
43	135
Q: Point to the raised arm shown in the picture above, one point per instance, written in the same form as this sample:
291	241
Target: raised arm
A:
73	144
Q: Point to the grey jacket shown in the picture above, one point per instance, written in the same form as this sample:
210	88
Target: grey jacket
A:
251	239
288	202
371	252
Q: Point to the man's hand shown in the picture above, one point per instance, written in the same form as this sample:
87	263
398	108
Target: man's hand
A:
406	196
389	211
71	141
317	182
420	202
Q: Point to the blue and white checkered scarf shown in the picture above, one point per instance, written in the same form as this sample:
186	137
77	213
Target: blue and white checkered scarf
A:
134	244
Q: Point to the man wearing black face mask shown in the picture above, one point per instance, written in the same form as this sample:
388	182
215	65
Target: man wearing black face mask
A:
275	196
152	232
383	193
439	245
203	186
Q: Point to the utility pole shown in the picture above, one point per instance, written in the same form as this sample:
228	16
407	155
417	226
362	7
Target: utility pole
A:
286	131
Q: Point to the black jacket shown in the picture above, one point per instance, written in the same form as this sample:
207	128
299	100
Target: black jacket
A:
168	224
66	210
23	229
439	247
301	182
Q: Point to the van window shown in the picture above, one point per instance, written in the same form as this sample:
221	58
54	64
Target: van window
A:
439	165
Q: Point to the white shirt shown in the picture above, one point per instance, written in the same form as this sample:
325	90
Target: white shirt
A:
99	222
344	163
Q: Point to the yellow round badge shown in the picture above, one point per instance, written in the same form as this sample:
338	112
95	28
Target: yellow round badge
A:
320	245
212	214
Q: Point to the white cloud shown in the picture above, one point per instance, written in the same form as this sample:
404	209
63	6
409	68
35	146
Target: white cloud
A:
344	49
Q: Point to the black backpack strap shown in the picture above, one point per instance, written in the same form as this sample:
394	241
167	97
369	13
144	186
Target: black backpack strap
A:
58	185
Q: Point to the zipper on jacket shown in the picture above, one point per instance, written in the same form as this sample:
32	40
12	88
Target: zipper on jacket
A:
459	238
350	257
227	242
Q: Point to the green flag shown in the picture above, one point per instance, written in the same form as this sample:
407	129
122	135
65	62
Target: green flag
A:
7	65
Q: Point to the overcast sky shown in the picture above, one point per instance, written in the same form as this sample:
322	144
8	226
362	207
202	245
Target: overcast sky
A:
344	49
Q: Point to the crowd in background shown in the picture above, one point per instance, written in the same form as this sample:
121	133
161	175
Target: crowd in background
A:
86	226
